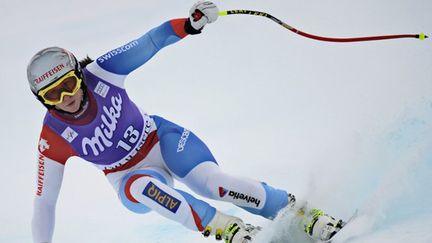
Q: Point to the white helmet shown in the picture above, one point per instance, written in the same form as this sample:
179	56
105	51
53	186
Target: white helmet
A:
48	65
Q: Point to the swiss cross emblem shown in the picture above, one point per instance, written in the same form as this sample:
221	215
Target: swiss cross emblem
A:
43	145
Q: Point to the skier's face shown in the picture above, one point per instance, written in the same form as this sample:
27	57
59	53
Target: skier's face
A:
72	103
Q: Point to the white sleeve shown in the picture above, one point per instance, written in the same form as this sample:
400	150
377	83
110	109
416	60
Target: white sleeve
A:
48	182
113	78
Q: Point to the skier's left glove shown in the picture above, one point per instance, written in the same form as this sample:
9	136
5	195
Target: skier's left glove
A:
201	13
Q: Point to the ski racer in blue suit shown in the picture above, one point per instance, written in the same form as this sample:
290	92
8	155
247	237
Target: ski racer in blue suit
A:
91	116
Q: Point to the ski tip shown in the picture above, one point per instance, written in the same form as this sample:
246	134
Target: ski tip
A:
422	36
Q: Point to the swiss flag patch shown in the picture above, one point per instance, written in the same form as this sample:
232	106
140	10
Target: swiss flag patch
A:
222	191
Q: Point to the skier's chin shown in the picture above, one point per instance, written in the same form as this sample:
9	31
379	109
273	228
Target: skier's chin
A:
73	107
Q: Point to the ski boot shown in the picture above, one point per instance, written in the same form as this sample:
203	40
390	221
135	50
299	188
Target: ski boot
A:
317	224
230	229
241	233
320	226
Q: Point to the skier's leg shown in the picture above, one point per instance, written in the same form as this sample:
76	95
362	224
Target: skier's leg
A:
144	190
189	159
256	197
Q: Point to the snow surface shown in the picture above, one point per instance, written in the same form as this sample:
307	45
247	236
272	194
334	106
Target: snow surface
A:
347	126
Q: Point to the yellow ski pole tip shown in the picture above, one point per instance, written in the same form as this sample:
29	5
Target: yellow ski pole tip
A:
223	13
422	36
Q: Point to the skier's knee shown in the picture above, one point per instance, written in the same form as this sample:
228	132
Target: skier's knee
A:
127	198
202	179
133	185
152	193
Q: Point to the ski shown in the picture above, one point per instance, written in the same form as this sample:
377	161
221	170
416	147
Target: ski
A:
353	216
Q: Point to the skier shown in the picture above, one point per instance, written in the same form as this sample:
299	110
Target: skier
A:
91	116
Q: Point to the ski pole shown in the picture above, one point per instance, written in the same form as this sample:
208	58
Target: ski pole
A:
420	36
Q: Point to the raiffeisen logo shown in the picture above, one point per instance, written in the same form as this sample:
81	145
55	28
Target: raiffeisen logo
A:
40	175
50	73
239	196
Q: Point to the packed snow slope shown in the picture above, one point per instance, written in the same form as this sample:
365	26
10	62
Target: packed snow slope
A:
345	126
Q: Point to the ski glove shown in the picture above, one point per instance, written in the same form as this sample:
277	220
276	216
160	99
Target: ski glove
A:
201	13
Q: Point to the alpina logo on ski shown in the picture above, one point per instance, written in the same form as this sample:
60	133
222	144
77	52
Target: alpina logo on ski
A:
162	198
104	132
239	196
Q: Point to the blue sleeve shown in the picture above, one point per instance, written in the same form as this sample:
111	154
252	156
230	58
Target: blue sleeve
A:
129	57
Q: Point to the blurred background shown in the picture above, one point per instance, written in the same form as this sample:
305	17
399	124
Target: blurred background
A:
346	126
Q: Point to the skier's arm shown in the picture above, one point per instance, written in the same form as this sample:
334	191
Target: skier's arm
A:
132	55
127	58
54	151
49	179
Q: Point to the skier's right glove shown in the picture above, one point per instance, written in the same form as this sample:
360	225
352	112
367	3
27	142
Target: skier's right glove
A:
201	13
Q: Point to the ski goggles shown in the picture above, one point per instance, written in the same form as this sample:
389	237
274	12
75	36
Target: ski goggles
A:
54	94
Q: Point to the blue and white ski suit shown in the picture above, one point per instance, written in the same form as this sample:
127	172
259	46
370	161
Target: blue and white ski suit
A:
140	154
